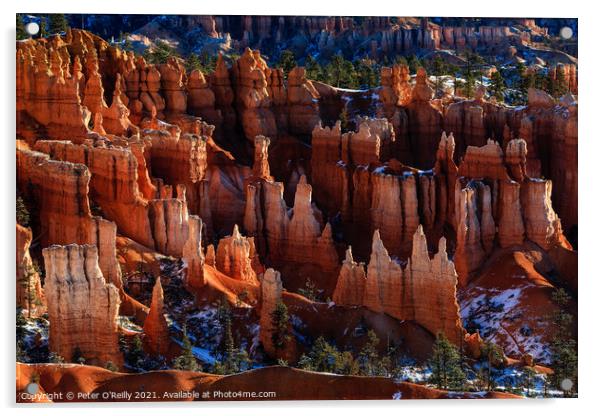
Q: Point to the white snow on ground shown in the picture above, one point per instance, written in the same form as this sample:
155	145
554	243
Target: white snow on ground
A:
490	308
414	374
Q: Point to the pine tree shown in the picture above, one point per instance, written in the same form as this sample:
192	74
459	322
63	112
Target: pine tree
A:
159	53
497	86
367	76
186	360
43	30
446	365
135	355
347	364
280	322
193	63
313	70
493	355
322	357
57	23
368	357
27	283
413	64
309	290
21	33
563	347
286	62
335	70
22	213
438	71
111	366
528	379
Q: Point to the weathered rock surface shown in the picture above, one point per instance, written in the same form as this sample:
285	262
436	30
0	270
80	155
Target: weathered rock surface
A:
29	287
235	255
424	291
82	306
271	295
156	330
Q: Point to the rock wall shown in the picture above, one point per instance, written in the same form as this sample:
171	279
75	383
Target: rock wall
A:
423	291
29	286
82	306
235	256
271	294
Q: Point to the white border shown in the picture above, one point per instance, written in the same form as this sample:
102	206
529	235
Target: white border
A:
590	201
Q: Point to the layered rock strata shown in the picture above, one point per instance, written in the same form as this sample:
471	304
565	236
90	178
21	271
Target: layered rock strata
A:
82	306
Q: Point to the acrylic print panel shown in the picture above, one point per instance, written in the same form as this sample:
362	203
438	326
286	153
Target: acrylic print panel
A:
295	207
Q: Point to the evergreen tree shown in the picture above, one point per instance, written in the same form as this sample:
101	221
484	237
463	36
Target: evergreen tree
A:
413	63
286	62
135	355
313	70
446	365
368	358
186	360
22	213
335	70
493	355
27	283
528	379
322	357
57	23
559	85
497	86
438	69
401	60
159	53
193	63
309	290
367	76
43	31
280	322
347	364
563	347
21	33
111	366
21	322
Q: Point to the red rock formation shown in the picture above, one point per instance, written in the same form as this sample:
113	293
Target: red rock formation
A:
192	253
425	123
235	255
446	173
384	281
351	283
429	295
29	287
155	324
62	189
82	307
271	294
261	166
296	238
511	230
252	97
424	291
484	162
47	96
469	251
302	103
201	99
542	225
